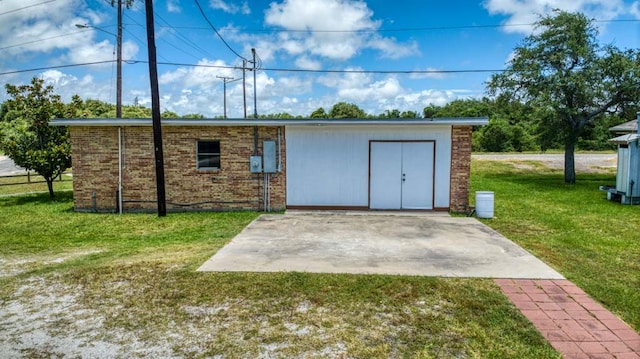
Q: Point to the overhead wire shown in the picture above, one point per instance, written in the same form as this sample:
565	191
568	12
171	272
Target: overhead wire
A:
44	39
216	31
174	32
26	7
141	42
404	72
185	39
56	67
405	29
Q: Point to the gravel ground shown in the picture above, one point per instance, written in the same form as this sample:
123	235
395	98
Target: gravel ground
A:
585	162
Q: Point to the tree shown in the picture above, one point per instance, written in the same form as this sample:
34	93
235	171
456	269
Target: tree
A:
319	113
346	110
570	79
25	134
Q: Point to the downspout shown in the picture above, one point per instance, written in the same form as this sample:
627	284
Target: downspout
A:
255	153
119	170
279	169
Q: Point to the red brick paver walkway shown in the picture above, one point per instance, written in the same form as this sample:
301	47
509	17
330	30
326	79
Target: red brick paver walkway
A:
576	325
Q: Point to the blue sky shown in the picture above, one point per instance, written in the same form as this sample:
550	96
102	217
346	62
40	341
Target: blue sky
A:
310	37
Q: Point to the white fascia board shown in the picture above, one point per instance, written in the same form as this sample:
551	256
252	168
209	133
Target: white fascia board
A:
122	122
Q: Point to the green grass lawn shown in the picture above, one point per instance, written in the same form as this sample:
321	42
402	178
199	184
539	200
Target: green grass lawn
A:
593	242
130	281
16	184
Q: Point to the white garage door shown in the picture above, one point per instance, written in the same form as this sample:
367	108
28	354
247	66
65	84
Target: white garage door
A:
401	175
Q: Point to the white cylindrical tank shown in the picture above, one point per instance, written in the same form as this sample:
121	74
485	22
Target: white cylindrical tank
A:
484	204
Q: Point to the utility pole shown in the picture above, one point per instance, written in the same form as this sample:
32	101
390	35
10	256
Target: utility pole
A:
155	110
244	86
255	85
224	86
119	63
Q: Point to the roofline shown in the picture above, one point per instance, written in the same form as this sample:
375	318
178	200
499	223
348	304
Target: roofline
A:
625	139
121	122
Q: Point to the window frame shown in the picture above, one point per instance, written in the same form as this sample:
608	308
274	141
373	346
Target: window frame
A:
209	154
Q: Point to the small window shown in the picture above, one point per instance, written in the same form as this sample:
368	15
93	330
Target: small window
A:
208	155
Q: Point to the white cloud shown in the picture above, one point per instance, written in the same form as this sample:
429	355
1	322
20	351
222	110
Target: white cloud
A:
86	87
230	7
361	87
391	49
174	6
101	51
199	90
306	63
333	29
49	32
203	76
528	11
634	9
321	15
428	73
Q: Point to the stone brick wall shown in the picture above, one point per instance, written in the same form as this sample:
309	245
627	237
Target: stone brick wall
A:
95	169
95	166
460	168
94	155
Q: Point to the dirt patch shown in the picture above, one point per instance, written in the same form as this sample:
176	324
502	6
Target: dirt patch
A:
46	318
16	266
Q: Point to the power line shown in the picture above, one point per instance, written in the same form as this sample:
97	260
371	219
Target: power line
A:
26	7
185	39
388	72
405	29
216	31
176	33
43	39
56	67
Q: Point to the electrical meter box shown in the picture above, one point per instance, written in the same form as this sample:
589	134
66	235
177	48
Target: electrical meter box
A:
269	156
255	164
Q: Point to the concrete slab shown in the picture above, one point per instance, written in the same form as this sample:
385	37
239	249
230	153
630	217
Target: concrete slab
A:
373	242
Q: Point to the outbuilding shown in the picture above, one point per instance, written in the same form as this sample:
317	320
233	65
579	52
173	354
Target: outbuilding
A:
211	164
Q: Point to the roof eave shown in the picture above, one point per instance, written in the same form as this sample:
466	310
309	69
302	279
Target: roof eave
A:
625	139
454	121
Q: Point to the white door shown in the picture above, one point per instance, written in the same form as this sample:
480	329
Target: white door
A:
401	175
385	187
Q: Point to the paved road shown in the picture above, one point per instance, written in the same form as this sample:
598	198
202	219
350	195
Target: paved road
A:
8	168
585	162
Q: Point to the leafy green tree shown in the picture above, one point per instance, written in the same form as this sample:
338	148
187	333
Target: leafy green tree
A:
346	110
409	114
395	113
569	79
279	115
319	113
496	137
168	114
194	115
431	111
460	108
25	134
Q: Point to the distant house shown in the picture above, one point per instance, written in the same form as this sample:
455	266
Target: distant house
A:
625	128
360	164
627	189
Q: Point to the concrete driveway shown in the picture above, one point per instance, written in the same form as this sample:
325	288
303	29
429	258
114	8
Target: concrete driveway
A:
424	244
